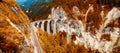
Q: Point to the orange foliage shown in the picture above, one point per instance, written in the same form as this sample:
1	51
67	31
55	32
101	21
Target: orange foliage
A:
10	9
58	44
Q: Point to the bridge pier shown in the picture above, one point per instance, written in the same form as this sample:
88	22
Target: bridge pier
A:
55	27
48	26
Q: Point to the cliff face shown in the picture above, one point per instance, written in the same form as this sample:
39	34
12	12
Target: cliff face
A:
13	28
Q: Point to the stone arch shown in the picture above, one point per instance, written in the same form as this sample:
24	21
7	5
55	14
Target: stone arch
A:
40	24
35	24
51	25
45	25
